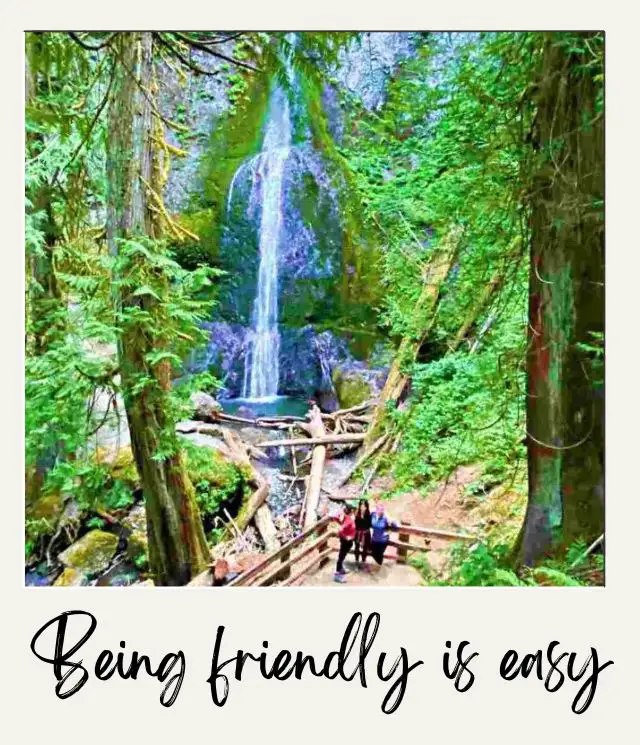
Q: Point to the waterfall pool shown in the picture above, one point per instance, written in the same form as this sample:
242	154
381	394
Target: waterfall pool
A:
268	406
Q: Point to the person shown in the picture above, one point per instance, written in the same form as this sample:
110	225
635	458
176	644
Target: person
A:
380	526
346	534
363	534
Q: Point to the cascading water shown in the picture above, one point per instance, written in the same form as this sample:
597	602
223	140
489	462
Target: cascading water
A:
262	369
281	245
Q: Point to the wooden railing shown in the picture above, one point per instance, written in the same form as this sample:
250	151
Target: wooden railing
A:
278	566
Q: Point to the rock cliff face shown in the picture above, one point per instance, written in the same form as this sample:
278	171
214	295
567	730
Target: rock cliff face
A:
368	63
327	267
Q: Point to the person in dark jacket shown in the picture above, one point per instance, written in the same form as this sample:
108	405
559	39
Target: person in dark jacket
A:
380	526
363	534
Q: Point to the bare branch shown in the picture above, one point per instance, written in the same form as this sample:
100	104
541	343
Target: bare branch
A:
219	55
172	50
91	47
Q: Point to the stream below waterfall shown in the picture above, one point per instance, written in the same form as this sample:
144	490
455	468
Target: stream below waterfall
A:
266	407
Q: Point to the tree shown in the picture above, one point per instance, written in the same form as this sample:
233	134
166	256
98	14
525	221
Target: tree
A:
177	546
565	404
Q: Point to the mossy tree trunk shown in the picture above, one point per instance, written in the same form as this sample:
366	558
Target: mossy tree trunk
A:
422	322
44	294
177	545
43	298
565	405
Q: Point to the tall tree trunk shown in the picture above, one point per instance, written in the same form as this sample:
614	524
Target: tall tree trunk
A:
177	545
43	293
565	405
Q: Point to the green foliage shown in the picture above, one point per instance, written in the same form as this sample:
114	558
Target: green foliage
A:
96	522
141	561
35	532
450	155
464	409
215	536
215	479
488	564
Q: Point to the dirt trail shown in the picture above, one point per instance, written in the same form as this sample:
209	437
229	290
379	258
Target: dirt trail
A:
389	574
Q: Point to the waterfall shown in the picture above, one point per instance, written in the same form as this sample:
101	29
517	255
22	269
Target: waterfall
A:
262	363
262	368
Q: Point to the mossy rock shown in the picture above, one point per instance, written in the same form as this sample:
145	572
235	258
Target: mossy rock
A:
48	507
214	477
71	577
91	554
207	464
123	468
352	388
138	549
137	542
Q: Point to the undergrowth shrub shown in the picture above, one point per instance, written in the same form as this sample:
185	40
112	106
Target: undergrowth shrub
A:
487	564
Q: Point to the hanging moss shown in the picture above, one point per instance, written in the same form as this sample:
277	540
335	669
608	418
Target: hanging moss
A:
234	137
357	290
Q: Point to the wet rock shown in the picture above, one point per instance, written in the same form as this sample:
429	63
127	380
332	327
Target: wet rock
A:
136	520
206	441
91	554
245	412
121	574
225	354
253	435
39	576
366	65
71	577
197	102
206	407
307	360
328	402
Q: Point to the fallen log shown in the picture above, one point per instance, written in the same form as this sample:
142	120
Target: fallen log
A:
274	425
190	426
263	521
259	496
351	410
312	498
279	419
316	439
219	416
358	419
252	505
293	454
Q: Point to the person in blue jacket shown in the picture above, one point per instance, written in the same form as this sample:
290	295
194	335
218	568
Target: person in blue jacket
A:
380	526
